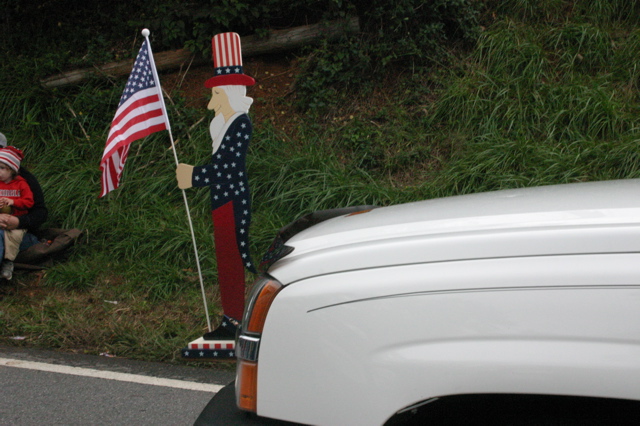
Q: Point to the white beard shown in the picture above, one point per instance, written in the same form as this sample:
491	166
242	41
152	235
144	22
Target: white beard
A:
216	130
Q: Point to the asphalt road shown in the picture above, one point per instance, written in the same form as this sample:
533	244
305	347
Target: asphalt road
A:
43	387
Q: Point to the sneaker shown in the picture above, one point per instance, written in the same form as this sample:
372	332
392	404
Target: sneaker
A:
6	269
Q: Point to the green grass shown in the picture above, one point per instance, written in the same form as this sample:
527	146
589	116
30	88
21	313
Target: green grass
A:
550	94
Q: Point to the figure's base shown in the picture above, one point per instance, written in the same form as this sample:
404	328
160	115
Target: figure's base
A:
218	350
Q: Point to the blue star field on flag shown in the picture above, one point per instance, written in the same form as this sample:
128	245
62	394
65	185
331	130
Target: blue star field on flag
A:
141	76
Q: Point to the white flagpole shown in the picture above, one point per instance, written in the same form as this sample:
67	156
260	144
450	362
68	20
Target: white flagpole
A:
145	34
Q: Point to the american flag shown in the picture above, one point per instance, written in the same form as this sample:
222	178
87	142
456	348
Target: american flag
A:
140	113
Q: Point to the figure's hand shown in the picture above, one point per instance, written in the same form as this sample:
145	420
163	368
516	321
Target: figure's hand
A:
5	202
184	172
8	221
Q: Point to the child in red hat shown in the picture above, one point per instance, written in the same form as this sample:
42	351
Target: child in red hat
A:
15	198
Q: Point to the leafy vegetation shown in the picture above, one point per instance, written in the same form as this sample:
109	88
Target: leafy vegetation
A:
547	92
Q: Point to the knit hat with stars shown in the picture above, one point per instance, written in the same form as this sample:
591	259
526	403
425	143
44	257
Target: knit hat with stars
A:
11	156
227	62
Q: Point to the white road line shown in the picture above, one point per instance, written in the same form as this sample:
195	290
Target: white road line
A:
110	375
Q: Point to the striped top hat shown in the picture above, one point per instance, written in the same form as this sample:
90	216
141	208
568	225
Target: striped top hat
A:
227	62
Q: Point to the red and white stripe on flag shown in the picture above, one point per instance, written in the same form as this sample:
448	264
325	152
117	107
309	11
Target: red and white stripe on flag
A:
140	113
112	167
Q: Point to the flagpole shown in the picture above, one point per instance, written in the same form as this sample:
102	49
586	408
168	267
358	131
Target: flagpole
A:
145	34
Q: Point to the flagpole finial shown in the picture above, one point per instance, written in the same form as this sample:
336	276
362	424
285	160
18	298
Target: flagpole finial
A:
145	33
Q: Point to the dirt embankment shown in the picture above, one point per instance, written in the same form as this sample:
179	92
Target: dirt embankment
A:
274	75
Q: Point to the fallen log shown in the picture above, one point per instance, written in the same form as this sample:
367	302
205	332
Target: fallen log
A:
276	41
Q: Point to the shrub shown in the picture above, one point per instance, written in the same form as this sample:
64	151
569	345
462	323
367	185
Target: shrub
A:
410	33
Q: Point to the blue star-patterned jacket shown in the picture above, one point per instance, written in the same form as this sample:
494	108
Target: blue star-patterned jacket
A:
227	177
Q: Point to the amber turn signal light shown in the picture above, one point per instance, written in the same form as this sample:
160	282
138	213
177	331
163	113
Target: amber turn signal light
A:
247	385
261	307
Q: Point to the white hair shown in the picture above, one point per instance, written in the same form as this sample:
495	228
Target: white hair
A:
237	97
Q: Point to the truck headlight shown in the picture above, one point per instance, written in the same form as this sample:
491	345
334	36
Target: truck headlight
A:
260	299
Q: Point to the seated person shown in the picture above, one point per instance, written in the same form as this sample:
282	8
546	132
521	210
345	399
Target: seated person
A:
15	198
34	217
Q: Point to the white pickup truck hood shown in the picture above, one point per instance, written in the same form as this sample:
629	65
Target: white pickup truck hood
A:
595	217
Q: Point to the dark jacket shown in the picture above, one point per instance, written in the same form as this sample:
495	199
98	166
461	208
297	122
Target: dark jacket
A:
37	215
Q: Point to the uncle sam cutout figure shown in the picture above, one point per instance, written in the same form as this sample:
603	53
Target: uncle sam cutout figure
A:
226	177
